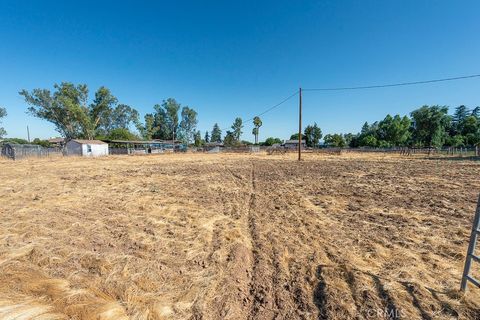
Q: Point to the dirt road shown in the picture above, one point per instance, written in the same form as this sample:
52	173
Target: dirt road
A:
236	237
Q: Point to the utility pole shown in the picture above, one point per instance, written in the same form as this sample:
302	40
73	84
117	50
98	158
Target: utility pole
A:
300	124
28	134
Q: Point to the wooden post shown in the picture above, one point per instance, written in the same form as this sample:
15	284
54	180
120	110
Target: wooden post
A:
471	251
300	124
173	138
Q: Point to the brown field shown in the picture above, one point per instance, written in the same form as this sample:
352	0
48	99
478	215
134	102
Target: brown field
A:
354	236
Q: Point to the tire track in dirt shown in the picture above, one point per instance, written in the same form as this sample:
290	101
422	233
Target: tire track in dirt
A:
255	292
274	291
295	287
264	301
230	298
305	287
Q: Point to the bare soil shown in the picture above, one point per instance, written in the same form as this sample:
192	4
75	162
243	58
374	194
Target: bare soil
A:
354	236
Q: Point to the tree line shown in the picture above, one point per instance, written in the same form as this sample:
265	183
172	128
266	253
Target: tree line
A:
68	108
427	126
74	117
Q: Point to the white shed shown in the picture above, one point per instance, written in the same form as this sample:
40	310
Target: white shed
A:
87	148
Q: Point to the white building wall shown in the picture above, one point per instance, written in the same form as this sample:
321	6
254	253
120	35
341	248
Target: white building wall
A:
81	149
96	150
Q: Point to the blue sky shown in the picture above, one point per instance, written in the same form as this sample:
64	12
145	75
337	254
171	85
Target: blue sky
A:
237	58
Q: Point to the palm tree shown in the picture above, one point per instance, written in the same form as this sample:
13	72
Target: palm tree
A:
257	122
255	133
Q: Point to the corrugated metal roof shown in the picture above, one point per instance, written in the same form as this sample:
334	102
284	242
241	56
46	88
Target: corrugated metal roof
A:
88	141
144	141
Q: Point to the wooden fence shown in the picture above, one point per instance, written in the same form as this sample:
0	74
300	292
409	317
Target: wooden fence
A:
20	151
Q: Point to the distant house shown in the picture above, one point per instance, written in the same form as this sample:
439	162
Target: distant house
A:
293	144
56	142
213	147
87	148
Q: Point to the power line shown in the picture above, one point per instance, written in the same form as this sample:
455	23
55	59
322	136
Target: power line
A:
359	88
269	109
393	84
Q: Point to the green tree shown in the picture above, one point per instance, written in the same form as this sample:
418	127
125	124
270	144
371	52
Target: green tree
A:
365	129
455	141
472	139
197	138
334	140
188	124
270	141
106	115
295	136
148	130
3	114
207	137
470	130
456	124
470	125
123	116
476	112
368	140
164	124
355	141
66	108
216	134
171	107
121	134
394	131
257	123
255	134
100	113
312	134
429	124
458	118
350	140
237	128
229	140
16	140
369	135
158	125
43	143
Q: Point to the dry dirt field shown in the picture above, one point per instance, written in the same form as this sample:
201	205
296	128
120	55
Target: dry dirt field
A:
188	236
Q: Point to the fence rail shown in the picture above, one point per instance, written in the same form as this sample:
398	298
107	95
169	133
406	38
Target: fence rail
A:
20	151
472	151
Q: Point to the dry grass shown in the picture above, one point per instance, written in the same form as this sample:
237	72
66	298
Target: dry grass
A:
236	237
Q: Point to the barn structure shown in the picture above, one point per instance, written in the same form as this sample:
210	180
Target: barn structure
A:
213	147
293	144
56	142
144	146
87	148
